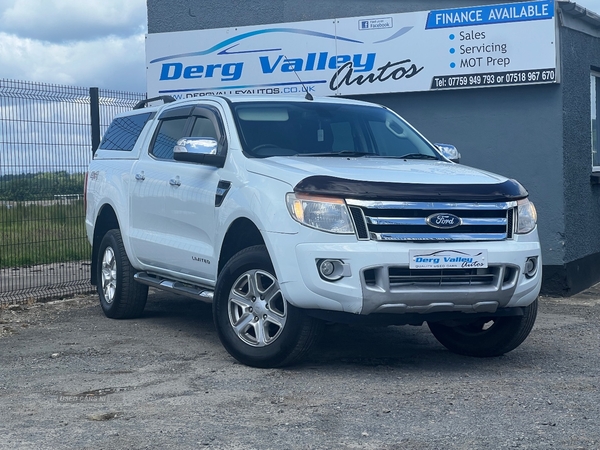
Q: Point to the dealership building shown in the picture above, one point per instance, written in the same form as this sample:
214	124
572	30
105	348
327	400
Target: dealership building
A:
515	86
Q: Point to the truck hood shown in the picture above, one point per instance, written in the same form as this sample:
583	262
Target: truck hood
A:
377	178
294	169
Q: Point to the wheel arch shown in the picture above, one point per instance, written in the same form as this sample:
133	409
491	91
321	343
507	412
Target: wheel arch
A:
242	233
106	220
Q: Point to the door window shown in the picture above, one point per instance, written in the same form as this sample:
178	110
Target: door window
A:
203	127
169	132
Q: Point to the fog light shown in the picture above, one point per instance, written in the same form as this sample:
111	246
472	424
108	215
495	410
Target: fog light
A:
530	267
330	269
327	268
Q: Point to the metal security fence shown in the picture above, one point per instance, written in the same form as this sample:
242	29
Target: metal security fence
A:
46	136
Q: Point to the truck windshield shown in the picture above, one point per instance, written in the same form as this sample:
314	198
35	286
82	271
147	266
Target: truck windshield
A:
326	129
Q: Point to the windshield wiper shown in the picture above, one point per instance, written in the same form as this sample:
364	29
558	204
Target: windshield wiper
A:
340	153
417	156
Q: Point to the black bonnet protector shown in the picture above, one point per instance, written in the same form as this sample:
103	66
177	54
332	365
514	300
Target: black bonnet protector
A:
510	190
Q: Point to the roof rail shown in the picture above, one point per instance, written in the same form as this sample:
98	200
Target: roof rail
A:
164	98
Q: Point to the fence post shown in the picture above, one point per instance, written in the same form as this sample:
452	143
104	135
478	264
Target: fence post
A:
95	117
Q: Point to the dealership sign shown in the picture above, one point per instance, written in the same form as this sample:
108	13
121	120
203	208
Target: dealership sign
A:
498	45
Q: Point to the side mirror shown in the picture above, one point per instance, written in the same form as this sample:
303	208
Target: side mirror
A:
449	152
201	150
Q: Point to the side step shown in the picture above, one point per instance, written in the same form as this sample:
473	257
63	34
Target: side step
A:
189	290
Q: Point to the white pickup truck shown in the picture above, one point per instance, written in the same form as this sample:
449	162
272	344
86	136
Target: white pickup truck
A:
288	212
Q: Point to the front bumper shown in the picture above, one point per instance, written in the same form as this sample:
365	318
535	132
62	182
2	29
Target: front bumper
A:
378	279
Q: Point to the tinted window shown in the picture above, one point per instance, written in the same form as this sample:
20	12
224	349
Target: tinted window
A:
203	127
391	138
312	129
343	138
169	132
123	132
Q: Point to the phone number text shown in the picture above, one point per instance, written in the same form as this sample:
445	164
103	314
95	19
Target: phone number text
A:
494	79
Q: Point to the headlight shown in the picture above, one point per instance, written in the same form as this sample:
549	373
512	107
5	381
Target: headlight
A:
322	213
526	216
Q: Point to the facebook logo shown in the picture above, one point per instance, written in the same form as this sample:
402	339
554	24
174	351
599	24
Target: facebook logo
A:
376	23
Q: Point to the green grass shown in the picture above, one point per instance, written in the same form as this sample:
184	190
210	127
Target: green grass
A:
42	233
40	186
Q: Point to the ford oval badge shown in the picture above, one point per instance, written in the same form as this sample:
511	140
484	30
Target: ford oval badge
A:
444	221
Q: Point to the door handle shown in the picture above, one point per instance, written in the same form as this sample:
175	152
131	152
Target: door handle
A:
175	182
140	176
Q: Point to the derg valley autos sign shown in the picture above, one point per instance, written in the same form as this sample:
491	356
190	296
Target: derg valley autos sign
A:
497	45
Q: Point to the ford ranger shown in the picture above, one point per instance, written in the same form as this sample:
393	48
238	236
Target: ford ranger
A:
287	212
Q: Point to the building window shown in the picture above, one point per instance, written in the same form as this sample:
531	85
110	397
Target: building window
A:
595	123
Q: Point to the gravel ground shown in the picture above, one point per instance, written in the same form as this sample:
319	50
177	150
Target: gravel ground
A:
70	378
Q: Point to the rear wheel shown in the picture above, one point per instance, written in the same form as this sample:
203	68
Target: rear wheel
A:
486	337
255	323
121	297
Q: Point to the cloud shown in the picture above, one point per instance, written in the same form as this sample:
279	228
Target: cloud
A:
72	20
109	62
74	42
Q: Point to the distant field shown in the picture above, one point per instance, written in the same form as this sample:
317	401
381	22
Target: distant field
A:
40	186
42	232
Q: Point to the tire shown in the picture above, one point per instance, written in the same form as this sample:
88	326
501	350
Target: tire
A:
256	325
121	297
487	337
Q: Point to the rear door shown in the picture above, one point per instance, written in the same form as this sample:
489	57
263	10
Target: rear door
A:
150	226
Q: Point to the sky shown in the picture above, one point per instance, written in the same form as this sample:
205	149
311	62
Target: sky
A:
593	5
83	42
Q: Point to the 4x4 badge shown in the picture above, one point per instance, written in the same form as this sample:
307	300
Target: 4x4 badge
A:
444	221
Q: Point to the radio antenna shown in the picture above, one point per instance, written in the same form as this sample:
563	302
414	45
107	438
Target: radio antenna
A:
308	95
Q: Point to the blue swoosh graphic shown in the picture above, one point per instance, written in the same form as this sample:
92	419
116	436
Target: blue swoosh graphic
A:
397	34
227	52
243	36
449	251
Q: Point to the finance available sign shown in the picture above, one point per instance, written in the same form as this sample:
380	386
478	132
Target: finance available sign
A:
498	45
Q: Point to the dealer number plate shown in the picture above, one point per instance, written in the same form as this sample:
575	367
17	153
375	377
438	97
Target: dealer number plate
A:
448	259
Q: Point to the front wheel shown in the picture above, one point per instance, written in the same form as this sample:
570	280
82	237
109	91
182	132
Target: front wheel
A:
486	337
255	323
121	297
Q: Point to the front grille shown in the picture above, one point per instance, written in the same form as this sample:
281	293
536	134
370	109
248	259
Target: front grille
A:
402	278
407	221
360	224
